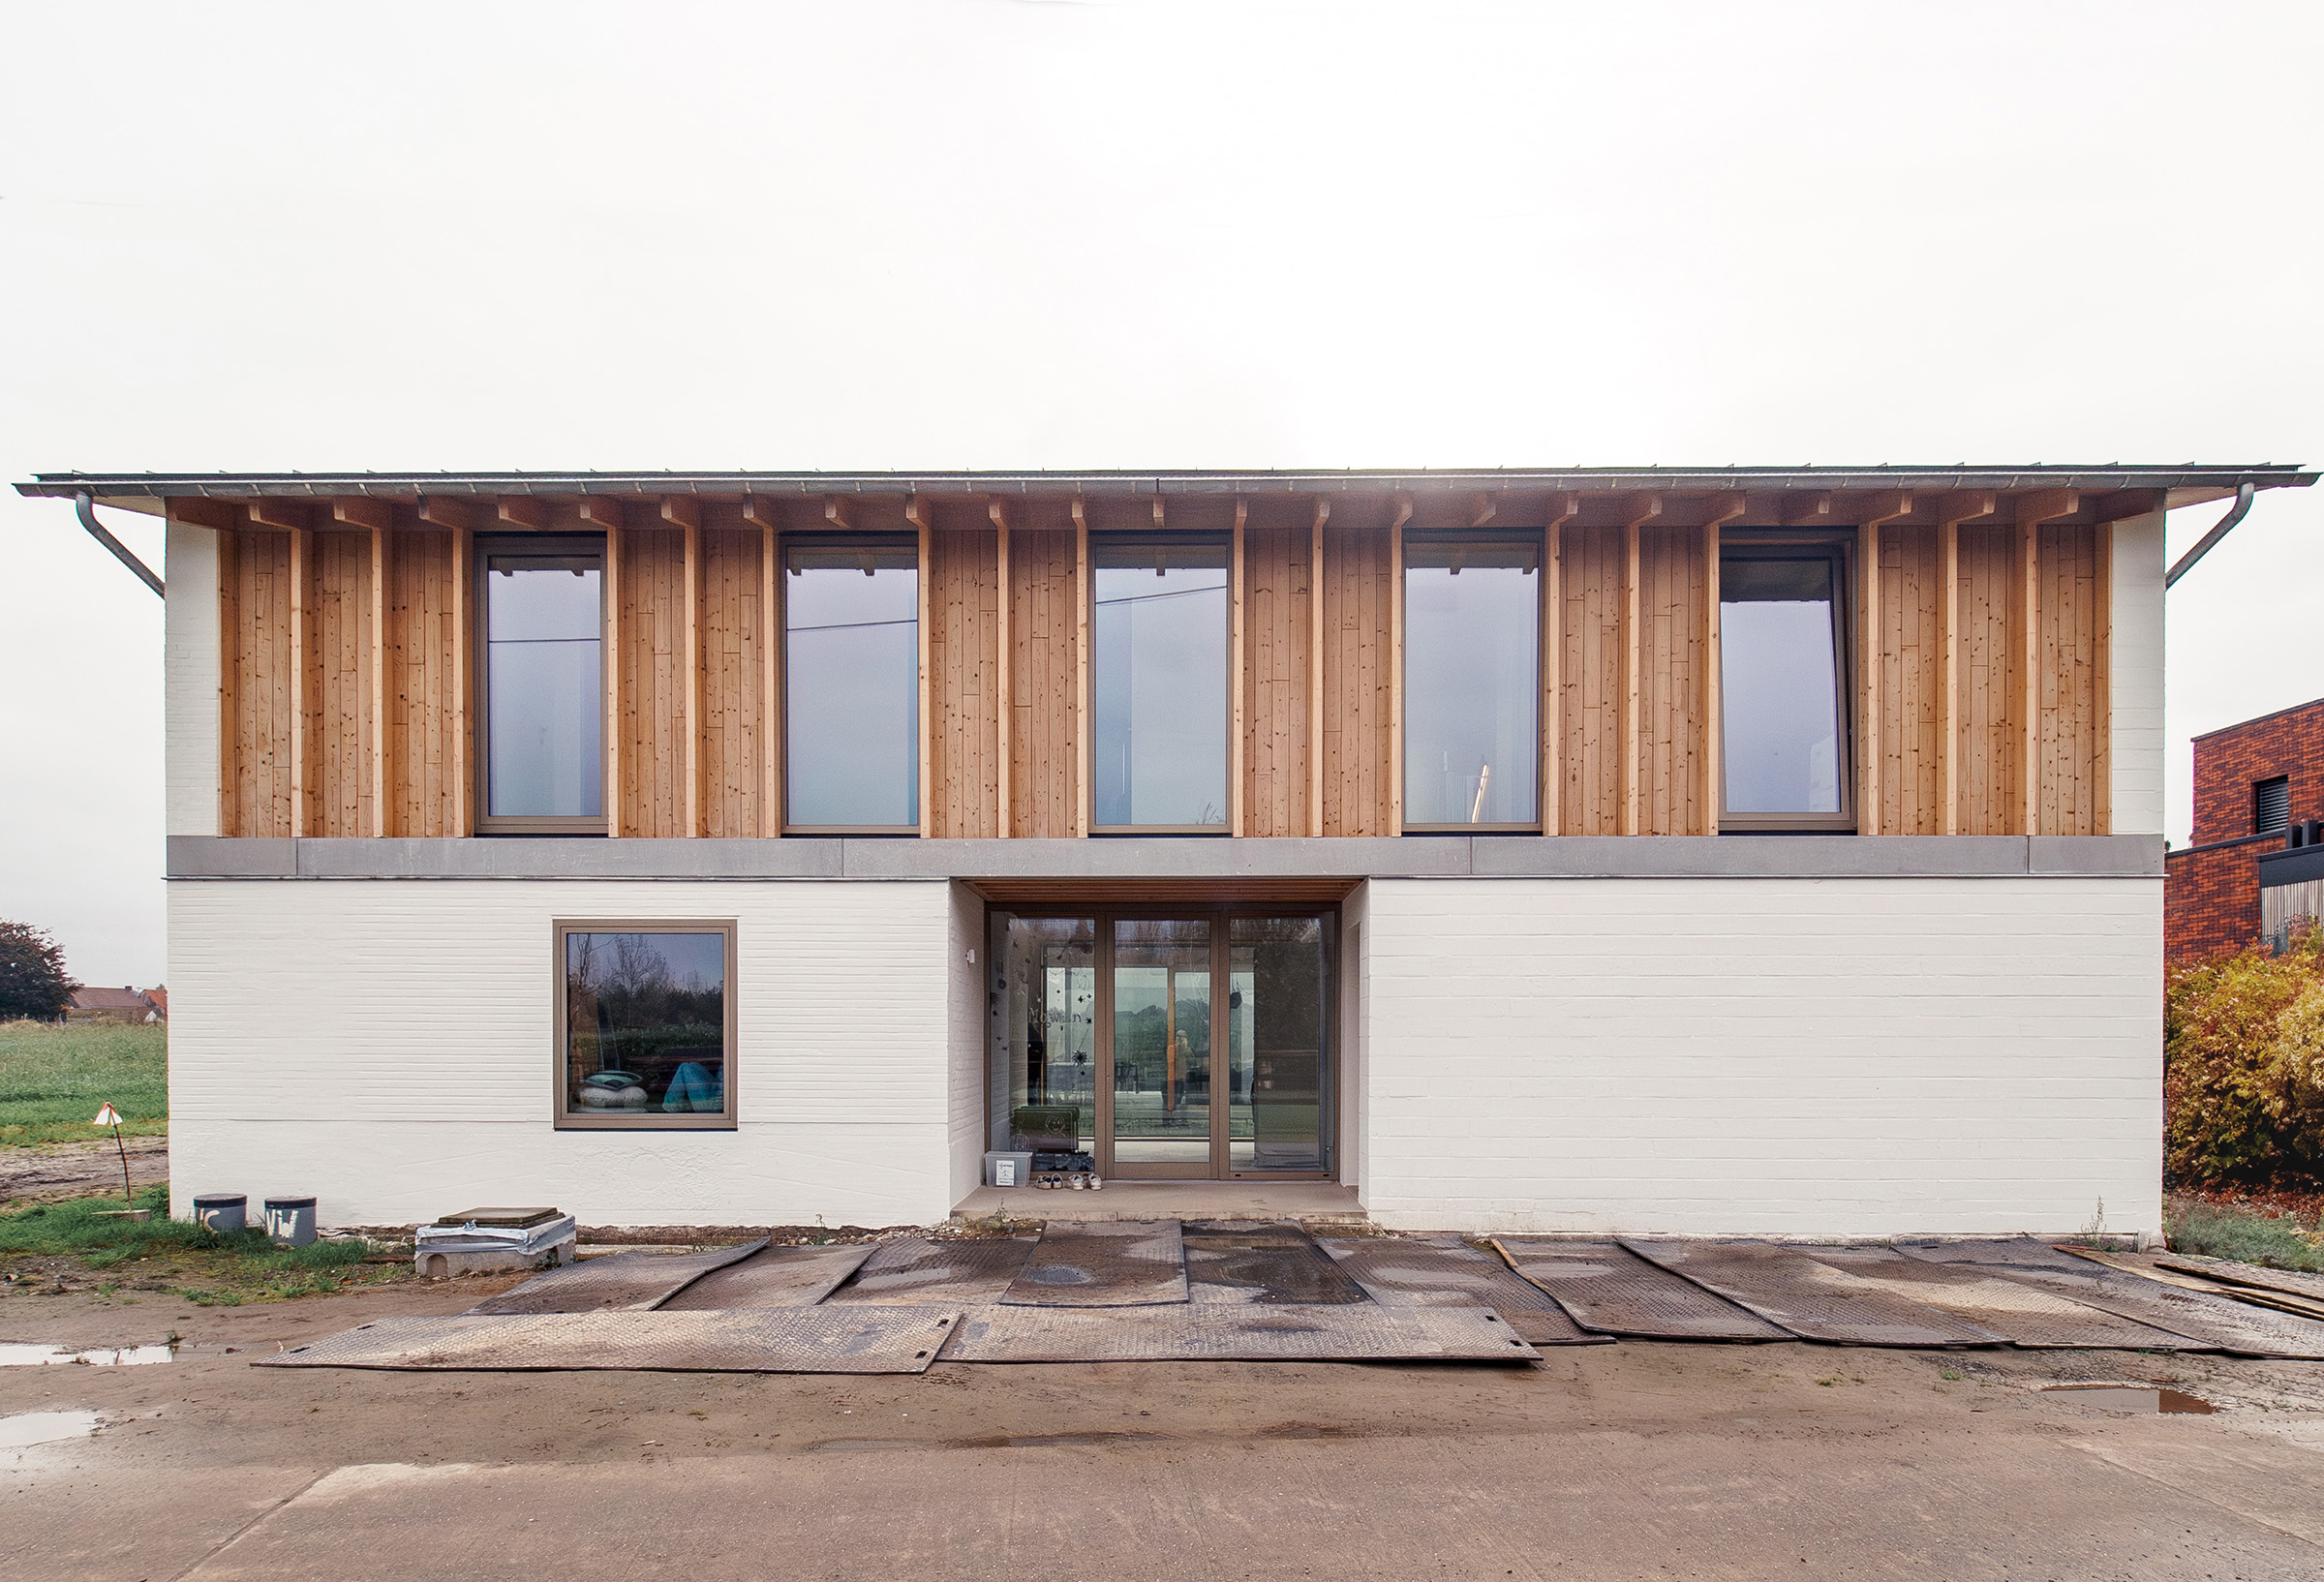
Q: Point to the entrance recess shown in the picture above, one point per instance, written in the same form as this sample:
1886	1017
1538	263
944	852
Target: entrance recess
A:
1181	1044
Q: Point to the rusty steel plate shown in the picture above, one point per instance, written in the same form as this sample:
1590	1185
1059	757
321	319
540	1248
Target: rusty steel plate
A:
1613	1291
746	1340
617	1282
1240	1332
918	1271
2164	1271
1445	1271
1813	1300
1269	1265
1102	1263
2026	1315
2214	1323
777	1277
2284	1282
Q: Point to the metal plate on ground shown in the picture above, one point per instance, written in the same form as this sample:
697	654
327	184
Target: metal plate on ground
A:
1445	1271
750	1340
2026	1313
617	1282
777	1277
2218	1323
1102	1263
918	1271
2289	1282
1271	1266
1610	1290
1813	1300
1198	1332
2150	1267
1991	1251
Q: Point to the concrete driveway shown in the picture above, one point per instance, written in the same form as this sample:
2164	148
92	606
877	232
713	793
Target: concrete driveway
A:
1637	1460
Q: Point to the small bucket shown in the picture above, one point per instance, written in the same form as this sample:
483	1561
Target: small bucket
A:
222	1213
290	1221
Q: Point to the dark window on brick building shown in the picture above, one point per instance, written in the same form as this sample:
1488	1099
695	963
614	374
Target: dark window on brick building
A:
2271	803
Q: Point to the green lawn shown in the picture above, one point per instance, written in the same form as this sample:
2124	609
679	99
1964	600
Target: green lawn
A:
53	1076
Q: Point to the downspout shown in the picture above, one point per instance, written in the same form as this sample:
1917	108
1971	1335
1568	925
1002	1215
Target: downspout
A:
86	509
2227	525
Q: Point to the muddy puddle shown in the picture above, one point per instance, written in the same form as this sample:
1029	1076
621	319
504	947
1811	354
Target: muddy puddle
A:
22	1354
28	1428
2149	1399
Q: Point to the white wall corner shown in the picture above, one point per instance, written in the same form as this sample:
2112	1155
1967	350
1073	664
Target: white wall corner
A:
967	1096
191	659
2134	676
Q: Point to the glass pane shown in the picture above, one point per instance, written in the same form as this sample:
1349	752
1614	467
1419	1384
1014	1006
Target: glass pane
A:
545	687
1779	687
1161	682
1051	970
1161	1043
1472	683
851	685
645	1020
1276	1001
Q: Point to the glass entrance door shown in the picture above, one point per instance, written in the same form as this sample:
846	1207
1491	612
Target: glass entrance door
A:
1195	1045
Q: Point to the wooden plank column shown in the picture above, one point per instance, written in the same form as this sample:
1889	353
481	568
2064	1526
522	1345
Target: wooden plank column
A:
1876	513
375	517
1951	511
1395	663
1085	737
1004	692
301	557
1643	508
2033	509
453	516
1315	664
1714	722
766	518
926	613
680	511
606	514
1563	508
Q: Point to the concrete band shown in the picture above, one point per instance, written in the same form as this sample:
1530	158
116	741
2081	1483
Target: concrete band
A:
1414	857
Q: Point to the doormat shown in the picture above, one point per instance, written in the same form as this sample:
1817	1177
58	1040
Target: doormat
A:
1242	1332
2026	1315
1445	1271
917	1270
750	1340
2214	1321
1610	1290
1102	1263
617	1282
1813	1300
1268	1265
776	1277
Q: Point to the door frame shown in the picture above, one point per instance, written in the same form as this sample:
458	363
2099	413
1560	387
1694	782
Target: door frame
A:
1220	1167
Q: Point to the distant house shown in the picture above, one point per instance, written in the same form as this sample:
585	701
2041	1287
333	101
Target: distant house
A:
2256	862
124	1004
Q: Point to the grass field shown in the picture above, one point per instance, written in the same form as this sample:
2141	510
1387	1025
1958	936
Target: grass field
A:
77	1245
53	1076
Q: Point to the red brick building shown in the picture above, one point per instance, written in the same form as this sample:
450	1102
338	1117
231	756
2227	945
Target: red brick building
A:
2256	783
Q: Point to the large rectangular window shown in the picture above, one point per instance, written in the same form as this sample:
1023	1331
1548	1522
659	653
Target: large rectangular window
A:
1472	683
545	687
851	685
1163	705
1782	690
645	1024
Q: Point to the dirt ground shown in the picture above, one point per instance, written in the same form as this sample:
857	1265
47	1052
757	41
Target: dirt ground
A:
1633	1460
58	1171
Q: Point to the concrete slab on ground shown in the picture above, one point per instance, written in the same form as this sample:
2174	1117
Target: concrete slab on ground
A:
1304	1201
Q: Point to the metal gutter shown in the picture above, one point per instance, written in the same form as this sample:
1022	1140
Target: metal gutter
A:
85	509
126	487
2225	525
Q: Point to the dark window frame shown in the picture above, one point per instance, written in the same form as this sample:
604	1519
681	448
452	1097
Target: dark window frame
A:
1165	539
888	542
1453	538
1839	550
485	548
564	1119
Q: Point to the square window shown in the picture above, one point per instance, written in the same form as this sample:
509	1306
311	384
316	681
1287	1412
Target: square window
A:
645	1024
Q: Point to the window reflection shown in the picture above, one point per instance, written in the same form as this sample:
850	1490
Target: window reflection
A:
851	685
544	687
1779	685
1161	682
1472	682
645	1021
1277	997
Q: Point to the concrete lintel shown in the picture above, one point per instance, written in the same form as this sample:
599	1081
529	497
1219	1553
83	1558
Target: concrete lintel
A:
1160	857
1750	857
226	856
2096	855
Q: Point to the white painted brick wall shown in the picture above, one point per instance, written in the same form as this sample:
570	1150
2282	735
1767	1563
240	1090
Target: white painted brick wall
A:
190	658
2134	676
1842	1057
386	1046
967	1007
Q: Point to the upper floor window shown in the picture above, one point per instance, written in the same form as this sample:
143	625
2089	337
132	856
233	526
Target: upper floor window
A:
1472	682
545	687
1782	690
851	685
1160	675
2271	804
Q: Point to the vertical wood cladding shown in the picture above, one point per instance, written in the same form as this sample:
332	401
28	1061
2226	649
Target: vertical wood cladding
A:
651	675
1909	689
1358	674
423	609
963	735
339	772
1592	626
1986	730
1045	743
254	594
1674	650
732	661
1278	605
2069	723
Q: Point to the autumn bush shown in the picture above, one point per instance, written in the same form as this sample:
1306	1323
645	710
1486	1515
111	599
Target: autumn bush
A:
2244	1067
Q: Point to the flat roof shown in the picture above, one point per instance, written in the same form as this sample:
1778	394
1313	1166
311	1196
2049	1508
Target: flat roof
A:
2190	483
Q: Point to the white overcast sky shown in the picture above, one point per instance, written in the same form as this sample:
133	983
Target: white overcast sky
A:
944	233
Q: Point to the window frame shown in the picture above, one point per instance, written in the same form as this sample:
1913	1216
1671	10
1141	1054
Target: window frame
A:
483	549
891	542
1455	539
1838	549
565	1120
1165	539
2259	789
